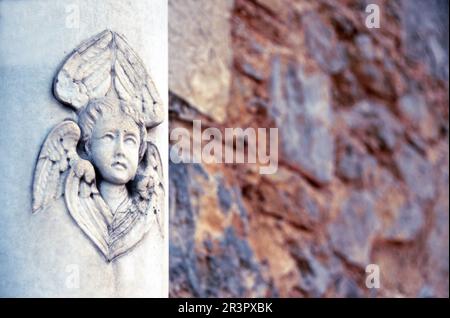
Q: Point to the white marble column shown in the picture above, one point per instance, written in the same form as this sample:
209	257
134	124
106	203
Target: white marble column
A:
46	254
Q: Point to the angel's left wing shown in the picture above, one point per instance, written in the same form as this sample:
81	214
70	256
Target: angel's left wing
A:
152	173
149	184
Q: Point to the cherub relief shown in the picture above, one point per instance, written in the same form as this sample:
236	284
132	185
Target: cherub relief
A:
108	173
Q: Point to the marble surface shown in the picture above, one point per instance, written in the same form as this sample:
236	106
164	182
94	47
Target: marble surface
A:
46	254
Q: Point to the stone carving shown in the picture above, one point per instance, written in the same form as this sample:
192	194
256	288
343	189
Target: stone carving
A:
108	173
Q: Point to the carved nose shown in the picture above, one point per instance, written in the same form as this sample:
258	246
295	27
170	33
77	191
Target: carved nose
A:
119	147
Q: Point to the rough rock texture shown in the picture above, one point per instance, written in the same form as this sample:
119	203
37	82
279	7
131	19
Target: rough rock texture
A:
200	54
363	172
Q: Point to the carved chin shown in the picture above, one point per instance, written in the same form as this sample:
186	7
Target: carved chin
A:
117	175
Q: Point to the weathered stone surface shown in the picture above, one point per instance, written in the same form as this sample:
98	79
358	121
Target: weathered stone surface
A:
323	45
437	245
296	204
354	228
407	222
365	47
375	79
413	108
353	164
224	195
186	190
183	270
301	109
425	34
416	171
374	125
346	287
344	194
200	54
348	88
314	276
222	266
231	269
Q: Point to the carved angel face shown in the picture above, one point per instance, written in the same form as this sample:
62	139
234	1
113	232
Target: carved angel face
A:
114	147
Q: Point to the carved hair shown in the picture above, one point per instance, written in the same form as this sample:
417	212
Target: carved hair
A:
88	117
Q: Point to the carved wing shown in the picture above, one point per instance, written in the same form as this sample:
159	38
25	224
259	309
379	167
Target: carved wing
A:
103	63
149	184
58	154
86	206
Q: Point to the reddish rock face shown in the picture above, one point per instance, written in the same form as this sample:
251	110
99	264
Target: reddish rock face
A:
363	157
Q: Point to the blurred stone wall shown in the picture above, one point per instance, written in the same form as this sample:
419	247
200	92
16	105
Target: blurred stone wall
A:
364	135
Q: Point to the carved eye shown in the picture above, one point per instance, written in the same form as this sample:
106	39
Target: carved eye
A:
130	140
108	137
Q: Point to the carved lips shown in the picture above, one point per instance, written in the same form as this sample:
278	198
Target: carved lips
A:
119	165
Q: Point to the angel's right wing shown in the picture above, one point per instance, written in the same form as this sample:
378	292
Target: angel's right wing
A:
58	154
